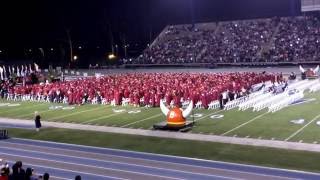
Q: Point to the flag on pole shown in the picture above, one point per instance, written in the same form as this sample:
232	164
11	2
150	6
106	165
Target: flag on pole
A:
18	72
36	67
1	73
4	71
30	68
9	70
22	71
25	69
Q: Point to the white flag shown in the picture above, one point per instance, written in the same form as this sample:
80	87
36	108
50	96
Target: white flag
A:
9	70
18	71
36	67
1	73
302	69
30	69
316	70
22	71
4	72
25	69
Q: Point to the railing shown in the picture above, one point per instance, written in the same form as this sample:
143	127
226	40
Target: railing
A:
206	65
212	65
3	134
310	5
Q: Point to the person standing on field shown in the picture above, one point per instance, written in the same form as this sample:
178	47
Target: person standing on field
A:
37	121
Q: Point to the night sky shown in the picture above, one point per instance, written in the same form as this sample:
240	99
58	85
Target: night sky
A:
93	23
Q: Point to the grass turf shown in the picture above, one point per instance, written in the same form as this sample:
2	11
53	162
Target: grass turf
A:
298	160
240	123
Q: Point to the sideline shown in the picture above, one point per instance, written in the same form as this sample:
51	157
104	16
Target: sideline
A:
177	135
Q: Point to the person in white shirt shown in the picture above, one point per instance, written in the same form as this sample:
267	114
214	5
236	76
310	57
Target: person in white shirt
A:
225	97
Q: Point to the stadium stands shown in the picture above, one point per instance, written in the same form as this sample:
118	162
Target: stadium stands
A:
298	39
284	39
17	172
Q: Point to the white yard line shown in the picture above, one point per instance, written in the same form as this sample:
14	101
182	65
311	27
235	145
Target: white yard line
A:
126	125
298	131
78	112
102	117
253	119
19	108
40	112
208	115
111	115
151	117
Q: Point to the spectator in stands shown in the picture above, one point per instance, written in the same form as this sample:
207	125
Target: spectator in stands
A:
30	175
46	176
4	170
37	121
3	175
17	171
292	76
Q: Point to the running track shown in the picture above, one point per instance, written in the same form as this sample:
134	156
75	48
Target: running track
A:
64	161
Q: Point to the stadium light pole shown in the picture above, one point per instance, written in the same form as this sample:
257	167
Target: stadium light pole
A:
70	44
191	8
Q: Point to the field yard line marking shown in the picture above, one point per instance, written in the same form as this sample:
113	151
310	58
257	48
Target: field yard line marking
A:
79	112
253	119
20	108
160	114
299	130
33	113
102	117
41	112
126	125
110	115
208	115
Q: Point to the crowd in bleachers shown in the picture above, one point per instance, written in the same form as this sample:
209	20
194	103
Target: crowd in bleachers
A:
298	39
139	88
262	40
239	41
181	48
17	172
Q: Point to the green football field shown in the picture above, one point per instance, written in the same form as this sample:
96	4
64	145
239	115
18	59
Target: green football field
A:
262	125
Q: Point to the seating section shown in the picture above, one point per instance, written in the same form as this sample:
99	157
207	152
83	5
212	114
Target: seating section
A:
285	39
17	172
298	39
